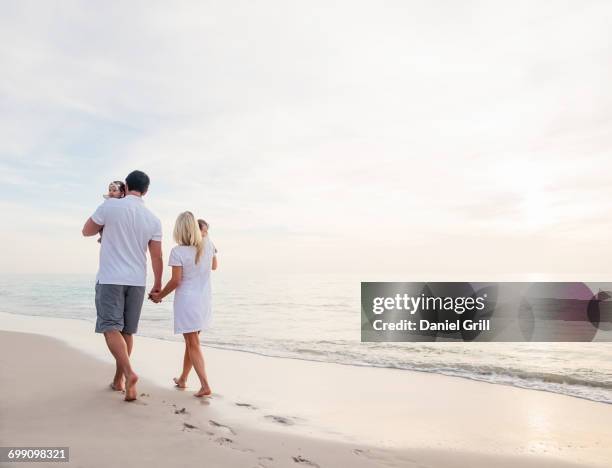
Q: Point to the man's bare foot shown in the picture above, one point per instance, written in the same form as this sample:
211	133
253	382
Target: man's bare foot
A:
130	382
179	383
204	391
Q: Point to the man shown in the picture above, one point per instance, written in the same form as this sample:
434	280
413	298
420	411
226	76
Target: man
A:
129	229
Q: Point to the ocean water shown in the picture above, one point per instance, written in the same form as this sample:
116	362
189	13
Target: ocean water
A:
317	317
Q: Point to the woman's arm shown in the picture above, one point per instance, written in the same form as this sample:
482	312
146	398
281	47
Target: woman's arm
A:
171	285
215	264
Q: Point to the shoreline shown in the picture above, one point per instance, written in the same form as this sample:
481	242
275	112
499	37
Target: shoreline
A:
525	380
390	412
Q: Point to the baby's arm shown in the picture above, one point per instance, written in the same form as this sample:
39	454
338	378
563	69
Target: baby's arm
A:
215	263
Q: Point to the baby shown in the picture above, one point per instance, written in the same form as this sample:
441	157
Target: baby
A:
204	230
116	189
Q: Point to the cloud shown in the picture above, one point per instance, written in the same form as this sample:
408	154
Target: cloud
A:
314	127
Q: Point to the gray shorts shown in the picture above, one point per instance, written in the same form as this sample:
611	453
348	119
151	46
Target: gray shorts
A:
118	307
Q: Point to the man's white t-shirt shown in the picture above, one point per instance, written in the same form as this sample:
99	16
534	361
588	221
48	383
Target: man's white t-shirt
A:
128	228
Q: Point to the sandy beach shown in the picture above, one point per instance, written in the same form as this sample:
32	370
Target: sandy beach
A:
274	412
383	225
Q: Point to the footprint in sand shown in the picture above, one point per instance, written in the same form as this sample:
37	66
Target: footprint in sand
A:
230	443
224	440
218	425
377	457
284	420
246	405
262	462
365	453
304	461
186	425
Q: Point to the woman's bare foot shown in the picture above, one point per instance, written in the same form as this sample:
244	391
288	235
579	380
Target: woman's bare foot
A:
179	383
204	391
130	384
117	386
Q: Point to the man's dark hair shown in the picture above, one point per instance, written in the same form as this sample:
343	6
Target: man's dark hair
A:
138	181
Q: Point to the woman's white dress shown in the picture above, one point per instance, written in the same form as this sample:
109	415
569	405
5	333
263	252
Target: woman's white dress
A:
193	297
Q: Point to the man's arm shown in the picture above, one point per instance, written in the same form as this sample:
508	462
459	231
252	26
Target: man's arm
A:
173	283
157	262
91	228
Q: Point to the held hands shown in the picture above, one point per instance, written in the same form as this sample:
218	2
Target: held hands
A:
155	297
154	294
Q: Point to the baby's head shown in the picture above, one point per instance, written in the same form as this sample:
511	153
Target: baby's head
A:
116	189
203	227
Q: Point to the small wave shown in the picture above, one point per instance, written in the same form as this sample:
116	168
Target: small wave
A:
577	381
598	391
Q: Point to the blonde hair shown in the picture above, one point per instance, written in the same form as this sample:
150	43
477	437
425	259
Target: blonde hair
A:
187	232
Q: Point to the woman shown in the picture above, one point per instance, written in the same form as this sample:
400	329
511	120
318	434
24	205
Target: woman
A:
191	261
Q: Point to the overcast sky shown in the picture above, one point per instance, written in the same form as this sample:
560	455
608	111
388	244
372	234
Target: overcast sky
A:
415	138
